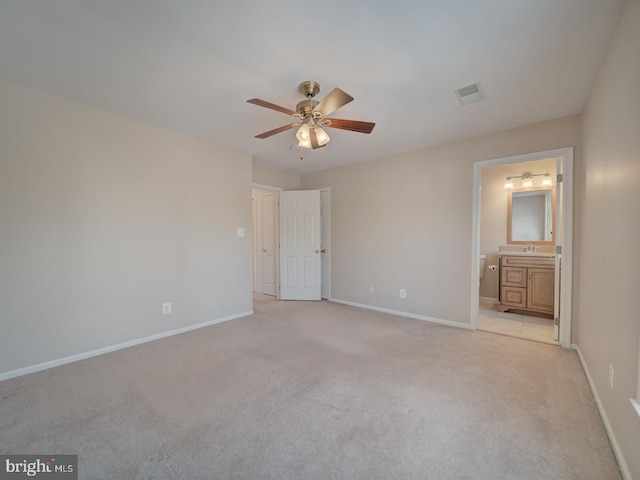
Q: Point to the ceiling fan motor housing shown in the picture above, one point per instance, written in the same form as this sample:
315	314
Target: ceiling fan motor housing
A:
305	107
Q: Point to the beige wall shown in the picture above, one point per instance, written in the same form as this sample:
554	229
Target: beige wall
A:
493	213
103	219
275	178
405	222
608	303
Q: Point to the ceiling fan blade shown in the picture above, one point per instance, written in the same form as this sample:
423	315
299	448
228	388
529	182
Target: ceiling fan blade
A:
272	106
333	101
277	130
352	125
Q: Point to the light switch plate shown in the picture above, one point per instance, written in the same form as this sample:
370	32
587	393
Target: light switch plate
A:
240	232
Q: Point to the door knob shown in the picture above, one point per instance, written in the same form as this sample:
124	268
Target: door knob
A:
324	250
264	250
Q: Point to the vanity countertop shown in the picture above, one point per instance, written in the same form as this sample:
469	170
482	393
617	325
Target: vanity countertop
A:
526	254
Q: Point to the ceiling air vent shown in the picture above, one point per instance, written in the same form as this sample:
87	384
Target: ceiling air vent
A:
469	94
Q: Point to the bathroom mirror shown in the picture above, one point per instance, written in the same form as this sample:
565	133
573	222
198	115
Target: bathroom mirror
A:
531	215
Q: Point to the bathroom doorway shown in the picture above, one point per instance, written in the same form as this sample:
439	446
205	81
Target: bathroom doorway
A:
489	311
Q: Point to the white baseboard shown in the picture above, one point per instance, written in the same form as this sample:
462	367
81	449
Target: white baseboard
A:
624	469
112	348
448	323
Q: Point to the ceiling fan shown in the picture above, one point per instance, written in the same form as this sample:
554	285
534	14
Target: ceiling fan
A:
312	116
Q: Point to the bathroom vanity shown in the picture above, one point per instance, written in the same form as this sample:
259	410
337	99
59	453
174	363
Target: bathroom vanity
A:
527	283
526	276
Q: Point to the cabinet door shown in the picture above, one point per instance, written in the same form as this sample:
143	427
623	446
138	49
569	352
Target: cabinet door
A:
513	297
540	289
514	277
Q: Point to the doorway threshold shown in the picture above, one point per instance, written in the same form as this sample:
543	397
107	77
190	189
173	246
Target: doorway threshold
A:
526	327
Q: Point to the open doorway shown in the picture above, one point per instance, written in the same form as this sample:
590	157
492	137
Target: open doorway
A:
519	288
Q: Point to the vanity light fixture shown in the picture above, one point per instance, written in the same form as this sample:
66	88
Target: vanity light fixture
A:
527	179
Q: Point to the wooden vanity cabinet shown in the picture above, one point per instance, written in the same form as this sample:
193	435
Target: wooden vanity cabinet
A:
527	284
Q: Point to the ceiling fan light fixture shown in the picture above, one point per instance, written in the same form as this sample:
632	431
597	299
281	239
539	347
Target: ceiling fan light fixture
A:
303	133
304	143
321	136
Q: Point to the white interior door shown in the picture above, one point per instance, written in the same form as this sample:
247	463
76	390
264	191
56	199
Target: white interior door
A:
269	243
300	245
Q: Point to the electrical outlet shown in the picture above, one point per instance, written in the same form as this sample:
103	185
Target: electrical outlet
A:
611	372
403	293
166	308
370	289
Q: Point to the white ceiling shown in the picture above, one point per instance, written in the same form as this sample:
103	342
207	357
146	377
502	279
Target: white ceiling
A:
190	65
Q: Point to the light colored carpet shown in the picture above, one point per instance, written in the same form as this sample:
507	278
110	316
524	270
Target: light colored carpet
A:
315	390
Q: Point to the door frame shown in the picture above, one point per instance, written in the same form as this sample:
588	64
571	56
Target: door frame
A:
565	156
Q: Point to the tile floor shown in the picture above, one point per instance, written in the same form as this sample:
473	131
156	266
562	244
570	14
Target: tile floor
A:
515	325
